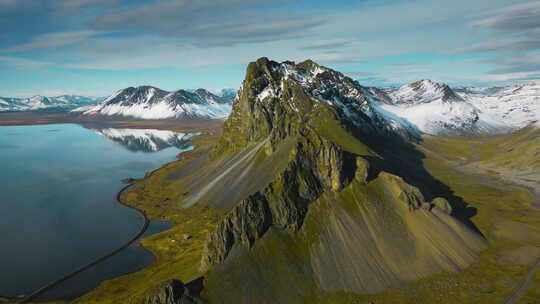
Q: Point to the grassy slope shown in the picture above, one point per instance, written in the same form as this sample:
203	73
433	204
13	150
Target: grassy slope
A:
514	157
504	216
282	259
520	151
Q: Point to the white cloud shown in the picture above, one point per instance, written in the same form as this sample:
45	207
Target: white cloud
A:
52	40
518	17
21	62
328	44
513	76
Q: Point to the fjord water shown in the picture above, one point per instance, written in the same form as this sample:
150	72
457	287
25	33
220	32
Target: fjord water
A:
58	208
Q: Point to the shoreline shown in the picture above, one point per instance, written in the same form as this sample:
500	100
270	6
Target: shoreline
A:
204	127
99	260
53	118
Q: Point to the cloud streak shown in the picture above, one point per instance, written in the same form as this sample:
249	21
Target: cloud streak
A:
328	44
521	24
22	62
52	40
212	23
515	18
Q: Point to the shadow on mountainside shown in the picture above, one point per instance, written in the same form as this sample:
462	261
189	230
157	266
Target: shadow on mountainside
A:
399	156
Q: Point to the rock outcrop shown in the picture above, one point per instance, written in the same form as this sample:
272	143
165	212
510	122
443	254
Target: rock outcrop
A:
168	292
316	165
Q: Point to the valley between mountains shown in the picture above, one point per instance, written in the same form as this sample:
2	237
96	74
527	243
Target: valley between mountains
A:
316	189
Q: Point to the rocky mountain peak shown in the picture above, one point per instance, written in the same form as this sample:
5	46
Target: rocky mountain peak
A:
423	91
324	139
38	99
277	100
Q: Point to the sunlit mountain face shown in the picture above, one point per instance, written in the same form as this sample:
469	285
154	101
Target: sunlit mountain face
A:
147	140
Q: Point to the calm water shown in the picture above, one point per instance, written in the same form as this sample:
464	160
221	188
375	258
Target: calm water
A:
58	211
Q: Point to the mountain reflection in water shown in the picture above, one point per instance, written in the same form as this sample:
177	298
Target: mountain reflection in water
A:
147	140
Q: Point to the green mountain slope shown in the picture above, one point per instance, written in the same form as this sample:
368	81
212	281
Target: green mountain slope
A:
324	217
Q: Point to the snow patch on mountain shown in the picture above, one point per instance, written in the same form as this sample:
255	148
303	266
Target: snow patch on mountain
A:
434	108
41	103
517	105
440	117
352	100
423	91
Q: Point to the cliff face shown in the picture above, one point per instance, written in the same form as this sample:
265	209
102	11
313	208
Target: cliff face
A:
169	292
331	214
279	100
315	165
272	106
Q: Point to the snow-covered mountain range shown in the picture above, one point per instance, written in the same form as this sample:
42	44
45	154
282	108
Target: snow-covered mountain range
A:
147	140
422	107
437	109
41	103
517	106
147	102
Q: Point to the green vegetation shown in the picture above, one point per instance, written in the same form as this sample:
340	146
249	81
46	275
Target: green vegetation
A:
504	216
328	126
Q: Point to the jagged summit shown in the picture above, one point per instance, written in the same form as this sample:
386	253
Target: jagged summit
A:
149	102
282	99
436	109
423	91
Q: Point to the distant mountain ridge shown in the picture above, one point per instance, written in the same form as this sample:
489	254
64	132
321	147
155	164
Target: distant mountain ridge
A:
517	105
147	102
422	91
421	107
438	109
42	103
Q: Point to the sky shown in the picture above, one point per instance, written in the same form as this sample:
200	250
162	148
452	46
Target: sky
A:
96	47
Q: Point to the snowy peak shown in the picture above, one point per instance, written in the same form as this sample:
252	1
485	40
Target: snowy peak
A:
423	91
37	101
147	102
131	96
434	108
291	89
321	83
438	109
517	105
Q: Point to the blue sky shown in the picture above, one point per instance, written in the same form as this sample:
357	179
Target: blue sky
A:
95	47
